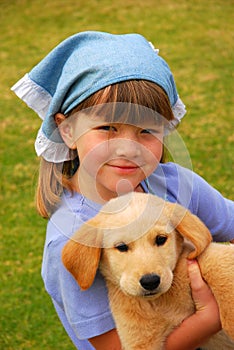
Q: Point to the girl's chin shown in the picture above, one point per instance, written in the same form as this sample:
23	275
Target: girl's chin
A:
124	186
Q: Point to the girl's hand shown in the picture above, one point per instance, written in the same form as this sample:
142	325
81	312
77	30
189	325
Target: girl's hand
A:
206	306
204	323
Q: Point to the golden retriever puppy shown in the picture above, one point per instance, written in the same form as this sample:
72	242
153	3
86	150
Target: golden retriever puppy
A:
141	243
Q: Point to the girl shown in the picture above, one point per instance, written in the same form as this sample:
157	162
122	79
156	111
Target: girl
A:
107	102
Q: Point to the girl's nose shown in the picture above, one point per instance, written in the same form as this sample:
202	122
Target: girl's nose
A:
127	148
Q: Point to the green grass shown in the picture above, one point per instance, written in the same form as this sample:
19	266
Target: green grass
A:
196	38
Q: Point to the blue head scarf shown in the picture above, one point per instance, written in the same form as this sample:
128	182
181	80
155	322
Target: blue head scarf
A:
80	66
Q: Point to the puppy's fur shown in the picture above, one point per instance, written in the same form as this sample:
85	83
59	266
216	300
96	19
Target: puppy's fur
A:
145	242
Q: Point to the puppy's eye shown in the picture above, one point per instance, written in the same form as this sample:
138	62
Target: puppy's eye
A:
122	247
160	240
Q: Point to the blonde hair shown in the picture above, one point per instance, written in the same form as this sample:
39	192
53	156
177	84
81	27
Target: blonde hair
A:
54	177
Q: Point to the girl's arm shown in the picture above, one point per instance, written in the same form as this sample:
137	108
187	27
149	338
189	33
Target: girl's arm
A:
193	331
107	341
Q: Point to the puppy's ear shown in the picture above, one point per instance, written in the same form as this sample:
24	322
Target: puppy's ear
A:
191	228
82	260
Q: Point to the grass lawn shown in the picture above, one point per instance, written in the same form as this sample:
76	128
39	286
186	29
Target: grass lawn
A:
195	37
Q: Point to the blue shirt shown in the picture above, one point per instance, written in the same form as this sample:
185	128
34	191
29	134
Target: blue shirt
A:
85	314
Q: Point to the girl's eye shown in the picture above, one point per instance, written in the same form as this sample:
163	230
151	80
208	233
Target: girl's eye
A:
121	247
106	128
150	131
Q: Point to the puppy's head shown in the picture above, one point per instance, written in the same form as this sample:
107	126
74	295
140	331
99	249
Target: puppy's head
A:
138	238
143	267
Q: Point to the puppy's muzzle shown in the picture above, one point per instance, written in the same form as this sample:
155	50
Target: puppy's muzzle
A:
150	282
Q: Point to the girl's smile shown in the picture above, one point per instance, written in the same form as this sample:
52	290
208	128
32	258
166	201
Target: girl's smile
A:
124	169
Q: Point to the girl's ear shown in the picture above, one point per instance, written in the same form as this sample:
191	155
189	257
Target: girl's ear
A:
191	228
65	130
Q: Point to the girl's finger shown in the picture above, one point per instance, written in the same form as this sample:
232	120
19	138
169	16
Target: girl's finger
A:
196	280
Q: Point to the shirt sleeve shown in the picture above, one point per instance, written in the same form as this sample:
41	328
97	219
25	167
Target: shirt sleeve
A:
214	210
181	185
87	312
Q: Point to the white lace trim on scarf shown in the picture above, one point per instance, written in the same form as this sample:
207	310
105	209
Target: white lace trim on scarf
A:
33	95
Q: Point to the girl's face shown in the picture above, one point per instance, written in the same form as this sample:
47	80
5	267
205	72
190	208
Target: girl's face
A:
114	157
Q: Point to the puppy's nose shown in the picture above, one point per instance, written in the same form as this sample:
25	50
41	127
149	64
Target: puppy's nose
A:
150	281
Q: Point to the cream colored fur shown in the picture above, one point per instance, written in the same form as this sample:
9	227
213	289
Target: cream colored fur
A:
144	321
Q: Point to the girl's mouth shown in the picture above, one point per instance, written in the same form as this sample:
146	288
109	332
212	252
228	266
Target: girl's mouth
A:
124	169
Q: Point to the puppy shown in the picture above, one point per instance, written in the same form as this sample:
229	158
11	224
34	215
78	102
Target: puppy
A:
141	243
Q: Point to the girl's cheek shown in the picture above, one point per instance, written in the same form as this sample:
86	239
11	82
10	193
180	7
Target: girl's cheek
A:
94	158
153	152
